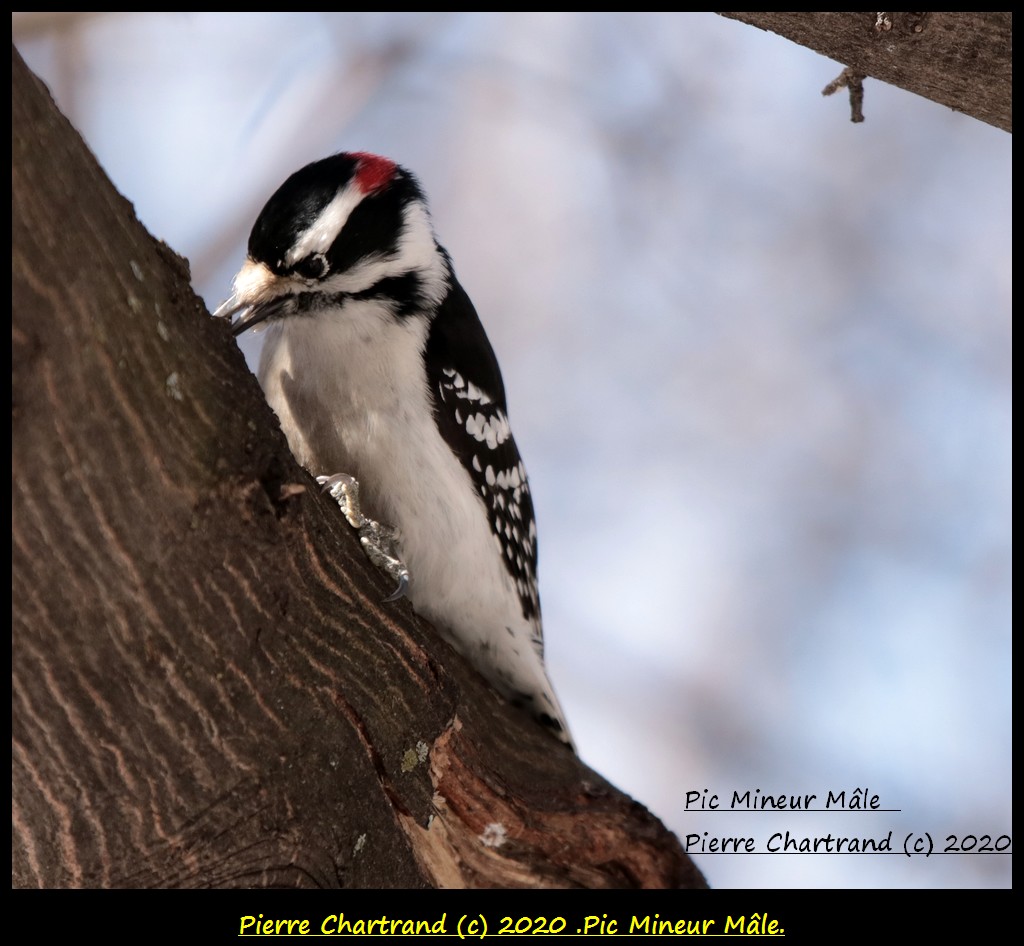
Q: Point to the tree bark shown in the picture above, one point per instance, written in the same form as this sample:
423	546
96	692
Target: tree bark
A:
207	688
963	60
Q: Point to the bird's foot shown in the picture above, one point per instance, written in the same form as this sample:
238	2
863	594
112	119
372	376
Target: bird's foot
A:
378	540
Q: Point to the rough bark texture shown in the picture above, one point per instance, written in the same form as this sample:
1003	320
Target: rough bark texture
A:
207	690
963	60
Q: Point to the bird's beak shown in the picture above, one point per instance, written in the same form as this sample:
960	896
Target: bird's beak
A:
250	314
253	300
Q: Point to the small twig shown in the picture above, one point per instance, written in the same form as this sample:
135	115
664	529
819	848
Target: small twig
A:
854	81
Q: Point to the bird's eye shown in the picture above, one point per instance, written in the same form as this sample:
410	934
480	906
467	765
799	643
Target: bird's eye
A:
312	267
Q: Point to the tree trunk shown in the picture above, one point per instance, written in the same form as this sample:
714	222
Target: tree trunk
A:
207	688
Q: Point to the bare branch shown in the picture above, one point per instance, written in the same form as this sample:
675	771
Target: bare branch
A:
963	60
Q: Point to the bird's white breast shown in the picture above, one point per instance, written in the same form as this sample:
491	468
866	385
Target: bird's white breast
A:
350	389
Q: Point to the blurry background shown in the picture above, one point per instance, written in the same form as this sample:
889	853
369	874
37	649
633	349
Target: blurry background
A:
757	360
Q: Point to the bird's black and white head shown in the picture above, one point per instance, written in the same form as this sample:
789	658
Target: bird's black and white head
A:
350	226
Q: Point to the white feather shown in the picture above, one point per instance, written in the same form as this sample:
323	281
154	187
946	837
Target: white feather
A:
350	389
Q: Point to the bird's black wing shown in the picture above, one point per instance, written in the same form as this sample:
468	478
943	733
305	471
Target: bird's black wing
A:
469	404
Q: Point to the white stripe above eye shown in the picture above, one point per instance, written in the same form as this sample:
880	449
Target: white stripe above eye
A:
322	232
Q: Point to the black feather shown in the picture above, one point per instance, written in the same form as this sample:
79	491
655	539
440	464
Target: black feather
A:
466	388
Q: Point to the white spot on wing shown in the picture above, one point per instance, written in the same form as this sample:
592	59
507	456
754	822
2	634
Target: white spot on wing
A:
493	431
475	394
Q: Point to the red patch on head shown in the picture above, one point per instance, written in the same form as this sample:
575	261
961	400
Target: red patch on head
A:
372	171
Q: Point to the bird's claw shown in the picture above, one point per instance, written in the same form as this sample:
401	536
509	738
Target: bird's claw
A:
402	589
344	489
378	540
